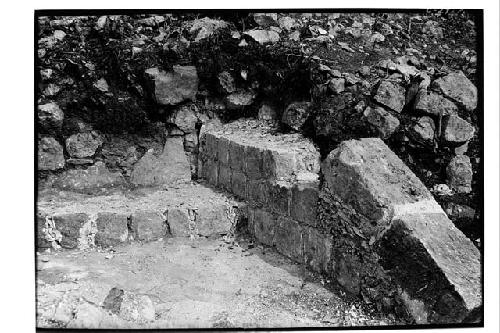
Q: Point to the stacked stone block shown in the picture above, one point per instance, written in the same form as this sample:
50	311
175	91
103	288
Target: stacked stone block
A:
265	169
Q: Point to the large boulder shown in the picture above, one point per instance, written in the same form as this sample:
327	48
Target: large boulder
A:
391	95
459	88
50	116
459	173
50	154
82	145
381	120
457	130
296	114
171	167
434	104
171	88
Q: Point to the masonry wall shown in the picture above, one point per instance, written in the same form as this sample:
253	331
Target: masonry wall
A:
370	225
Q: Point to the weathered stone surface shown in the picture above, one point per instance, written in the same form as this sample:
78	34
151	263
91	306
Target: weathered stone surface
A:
253	162
445	260
317	249
434	104
50	116
456	130
82	145
366	174
279	194
94	178
267	112
384	122
238	100
304	201
238	184
184	118
137	308
111	229
296	114
265	224
265	19
336	85
459	88
459	173
391	95
205	27
174	87
423	131
172	166
226	82
50	154
148	225
190	142
213	220
179	222
263	36
69	225
287	23
288	238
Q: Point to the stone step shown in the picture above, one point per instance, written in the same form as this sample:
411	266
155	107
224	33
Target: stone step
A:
75	220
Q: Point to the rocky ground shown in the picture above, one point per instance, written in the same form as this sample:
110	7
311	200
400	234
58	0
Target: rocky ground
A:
182	283
122	100
409	78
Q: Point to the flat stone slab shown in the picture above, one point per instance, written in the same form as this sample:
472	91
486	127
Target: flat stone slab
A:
144	214
183	283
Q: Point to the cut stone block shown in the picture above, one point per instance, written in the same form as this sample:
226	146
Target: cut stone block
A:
223	150
111	229
304	202
179	222
288	238
368	176
317	249
148	225
256	192
436	264
224	180
279	164
265	224
238	184
253	162
236	156
279	197
69	225
213	220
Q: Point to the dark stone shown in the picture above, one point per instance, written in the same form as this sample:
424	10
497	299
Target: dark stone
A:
112	229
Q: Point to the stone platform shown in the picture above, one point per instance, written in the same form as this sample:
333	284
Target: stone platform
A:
74	220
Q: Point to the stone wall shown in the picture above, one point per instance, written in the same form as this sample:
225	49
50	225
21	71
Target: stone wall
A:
370	224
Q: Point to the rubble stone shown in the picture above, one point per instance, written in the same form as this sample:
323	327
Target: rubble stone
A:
50	116
391	95
457	130
50	154
384	122
174	87
83	145
459	88
459	173
296	114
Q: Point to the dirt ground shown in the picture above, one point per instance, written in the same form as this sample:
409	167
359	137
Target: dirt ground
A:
189	283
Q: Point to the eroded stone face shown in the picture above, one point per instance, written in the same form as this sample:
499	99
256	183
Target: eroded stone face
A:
459	88
174	87
391	95
50	154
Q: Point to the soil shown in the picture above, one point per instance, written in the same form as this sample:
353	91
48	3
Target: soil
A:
195	283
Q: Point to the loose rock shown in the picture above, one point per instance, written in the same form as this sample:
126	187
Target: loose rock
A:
459	88
434	104
391	95
82	145
237	100
50	116
459	173
384	122
267	112
226	82
265	19
336	86
296	114
457	130
205	27
263	36
174	87
184	118
423	131
50	154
